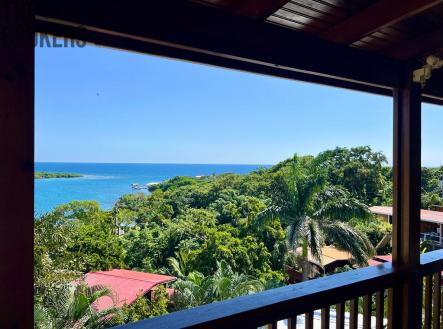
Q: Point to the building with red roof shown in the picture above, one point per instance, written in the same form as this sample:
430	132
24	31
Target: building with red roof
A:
377	260
429	216
127	285
431	227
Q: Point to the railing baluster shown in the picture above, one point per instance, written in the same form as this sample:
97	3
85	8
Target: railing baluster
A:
309	320
292	323
390	307
428	302
379	309
441	302
325	318
367	310
353	317
436	302
340	316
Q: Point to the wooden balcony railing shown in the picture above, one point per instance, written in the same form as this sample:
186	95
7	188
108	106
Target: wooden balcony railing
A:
368	292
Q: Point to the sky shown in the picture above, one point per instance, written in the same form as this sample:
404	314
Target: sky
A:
98	104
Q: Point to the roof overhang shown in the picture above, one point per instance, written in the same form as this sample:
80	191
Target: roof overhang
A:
191	31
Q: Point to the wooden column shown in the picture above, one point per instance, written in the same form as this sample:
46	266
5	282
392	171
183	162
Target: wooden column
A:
406	217
16	164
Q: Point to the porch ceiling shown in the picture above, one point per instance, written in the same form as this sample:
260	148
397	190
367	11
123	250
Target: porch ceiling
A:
401	29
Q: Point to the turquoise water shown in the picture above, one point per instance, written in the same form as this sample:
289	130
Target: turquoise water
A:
106	182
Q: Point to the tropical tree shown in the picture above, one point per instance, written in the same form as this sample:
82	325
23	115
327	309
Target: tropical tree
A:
228	284
193	290
196	289
52	236
144	307
181	264
74	308
359	170
314	213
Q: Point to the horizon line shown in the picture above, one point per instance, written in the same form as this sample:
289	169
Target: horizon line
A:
195	163
162	163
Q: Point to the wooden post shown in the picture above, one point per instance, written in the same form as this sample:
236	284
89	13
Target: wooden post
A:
406	215
16	163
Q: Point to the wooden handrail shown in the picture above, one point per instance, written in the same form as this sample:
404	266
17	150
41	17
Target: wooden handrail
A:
272	305
431	262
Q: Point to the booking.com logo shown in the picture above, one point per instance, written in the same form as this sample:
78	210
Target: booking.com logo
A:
22	38
47	41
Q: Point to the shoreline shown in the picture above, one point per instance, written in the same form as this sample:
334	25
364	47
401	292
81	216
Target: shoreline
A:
54	175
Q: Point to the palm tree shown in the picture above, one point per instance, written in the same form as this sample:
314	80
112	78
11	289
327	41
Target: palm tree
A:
42	319
74	308
228	284
192	291
196	289
316	214
181	263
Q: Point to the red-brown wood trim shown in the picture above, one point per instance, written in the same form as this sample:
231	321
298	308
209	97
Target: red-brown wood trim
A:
16	164
406	202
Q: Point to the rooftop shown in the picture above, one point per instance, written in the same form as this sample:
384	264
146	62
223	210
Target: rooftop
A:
127	285
330	254
425	215
377	260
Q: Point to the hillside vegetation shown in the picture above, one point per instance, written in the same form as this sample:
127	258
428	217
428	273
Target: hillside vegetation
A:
222	235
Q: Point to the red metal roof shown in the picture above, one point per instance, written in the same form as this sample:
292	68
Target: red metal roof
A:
377	260
127	285
373	262
425	215
384	258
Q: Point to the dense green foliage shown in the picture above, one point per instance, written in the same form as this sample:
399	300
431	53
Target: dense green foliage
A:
46	175
144	308
196	289
222	235
431	187
315	212
72	307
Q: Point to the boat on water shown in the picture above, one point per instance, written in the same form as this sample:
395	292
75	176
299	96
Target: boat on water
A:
137	186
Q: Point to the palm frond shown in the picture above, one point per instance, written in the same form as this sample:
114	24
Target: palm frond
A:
337	203
295	230
266	215
175	266
314	237
347	238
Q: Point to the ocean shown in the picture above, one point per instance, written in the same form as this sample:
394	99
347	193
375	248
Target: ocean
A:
106	182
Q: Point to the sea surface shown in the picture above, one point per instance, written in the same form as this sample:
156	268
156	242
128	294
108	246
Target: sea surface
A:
106	182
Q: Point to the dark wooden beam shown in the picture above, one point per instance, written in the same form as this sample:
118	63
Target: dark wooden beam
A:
16	164
201	31
417	47
406	201
252	8
381	14
118	42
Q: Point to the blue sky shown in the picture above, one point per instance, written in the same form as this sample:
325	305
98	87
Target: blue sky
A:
104	105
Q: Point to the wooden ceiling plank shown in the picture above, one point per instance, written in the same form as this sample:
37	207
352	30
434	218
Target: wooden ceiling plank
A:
319	7
251	8
303	19
315	15
285	22
381	14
